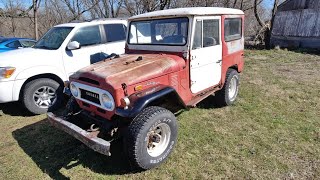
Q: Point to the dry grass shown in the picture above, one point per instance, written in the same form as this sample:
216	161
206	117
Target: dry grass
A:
273	131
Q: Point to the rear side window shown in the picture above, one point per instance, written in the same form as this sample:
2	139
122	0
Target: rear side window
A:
87	36
26	43
115	32
232	29
14	44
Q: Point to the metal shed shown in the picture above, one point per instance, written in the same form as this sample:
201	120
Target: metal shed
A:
297	24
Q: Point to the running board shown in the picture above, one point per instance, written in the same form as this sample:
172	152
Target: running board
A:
199	97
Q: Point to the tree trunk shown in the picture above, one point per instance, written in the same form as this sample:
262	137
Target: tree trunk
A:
35	19
269	30
256	14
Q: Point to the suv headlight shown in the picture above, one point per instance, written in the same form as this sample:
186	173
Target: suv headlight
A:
74	90
6	72
107	101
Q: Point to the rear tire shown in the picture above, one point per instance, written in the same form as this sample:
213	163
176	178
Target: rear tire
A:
228	94
42	95
151	137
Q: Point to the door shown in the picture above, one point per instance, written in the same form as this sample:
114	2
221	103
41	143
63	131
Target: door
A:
91	46
206	53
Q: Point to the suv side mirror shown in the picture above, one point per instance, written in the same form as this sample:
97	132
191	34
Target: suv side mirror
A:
73	45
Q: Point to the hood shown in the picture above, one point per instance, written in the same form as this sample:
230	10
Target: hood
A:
133	68
26	57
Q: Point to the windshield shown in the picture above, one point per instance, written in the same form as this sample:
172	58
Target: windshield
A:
53	38
159	32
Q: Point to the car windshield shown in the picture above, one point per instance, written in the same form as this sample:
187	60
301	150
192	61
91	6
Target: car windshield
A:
159	32
53	38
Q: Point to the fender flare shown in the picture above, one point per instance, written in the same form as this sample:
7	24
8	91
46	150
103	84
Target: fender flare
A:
144	101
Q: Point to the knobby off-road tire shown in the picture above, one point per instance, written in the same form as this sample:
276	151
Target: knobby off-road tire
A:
228	94
49	92
151	137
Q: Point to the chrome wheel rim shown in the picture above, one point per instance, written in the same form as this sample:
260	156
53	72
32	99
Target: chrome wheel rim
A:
158	139
233	88
45	97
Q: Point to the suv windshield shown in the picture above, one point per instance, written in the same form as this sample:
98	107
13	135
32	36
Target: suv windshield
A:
53	38
159	32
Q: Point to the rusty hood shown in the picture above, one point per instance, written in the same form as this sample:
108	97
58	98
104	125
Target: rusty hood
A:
132	68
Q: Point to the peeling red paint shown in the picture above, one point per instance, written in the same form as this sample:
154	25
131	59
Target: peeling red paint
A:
152	70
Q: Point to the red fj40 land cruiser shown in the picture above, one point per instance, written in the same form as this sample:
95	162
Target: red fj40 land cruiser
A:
174	59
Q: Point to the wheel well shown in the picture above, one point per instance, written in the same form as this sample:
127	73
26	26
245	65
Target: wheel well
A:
48	75
235	67
170	101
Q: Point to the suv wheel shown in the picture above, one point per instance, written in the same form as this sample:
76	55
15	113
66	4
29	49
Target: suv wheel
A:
151	137
42	95
228	94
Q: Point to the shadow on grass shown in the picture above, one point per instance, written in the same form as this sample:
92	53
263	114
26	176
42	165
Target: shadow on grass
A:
14	109
307	51
53	150
209	103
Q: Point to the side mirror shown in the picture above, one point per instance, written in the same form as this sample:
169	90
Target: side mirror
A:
73	45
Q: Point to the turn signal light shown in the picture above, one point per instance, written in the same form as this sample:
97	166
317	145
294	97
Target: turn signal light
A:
125	102
138	88
6	72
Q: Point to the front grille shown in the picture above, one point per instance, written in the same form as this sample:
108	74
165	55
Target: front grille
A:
88	80
90	96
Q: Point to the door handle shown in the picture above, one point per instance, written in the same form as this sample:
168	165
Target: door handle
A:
218	62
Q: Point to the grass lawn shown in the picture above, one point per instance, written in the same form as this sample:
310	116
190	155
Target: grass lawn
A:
273	131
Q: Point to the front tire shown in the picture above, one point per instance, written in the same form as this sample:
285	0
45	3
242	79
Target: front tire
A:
151	137
228	94
42	95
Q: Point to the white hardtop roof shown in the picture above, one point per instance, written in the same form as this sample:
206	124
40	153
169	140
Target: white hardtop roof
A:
93	22
201	11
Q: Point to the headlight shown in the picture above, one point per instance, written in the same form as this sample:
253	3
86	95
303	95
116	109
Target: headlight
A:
6	72
107	101
74	90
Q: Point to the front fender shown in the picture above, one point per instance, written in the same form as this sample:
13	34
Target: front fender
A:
37	70
22	77
144	101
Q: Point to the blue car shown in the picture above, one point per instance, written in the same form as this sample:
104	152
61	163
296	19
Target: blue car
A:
8	44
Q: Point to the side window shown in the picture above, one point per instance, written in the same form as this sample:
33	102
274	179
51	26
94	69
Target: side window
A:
232	29
14	44
87	36
207	33
115	32
211	33
26	43
197	40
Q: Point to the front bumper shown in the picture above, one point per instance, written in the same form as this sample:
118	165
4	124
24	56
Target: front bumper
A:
6	88
90	139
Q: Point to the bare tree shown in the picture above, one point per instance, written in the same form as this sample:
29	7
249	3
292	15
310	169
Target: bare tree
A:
266	26
78	7
135	7
35	5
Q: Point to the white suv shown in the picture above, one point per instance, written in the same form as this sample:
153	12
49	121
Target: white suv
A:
36	75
